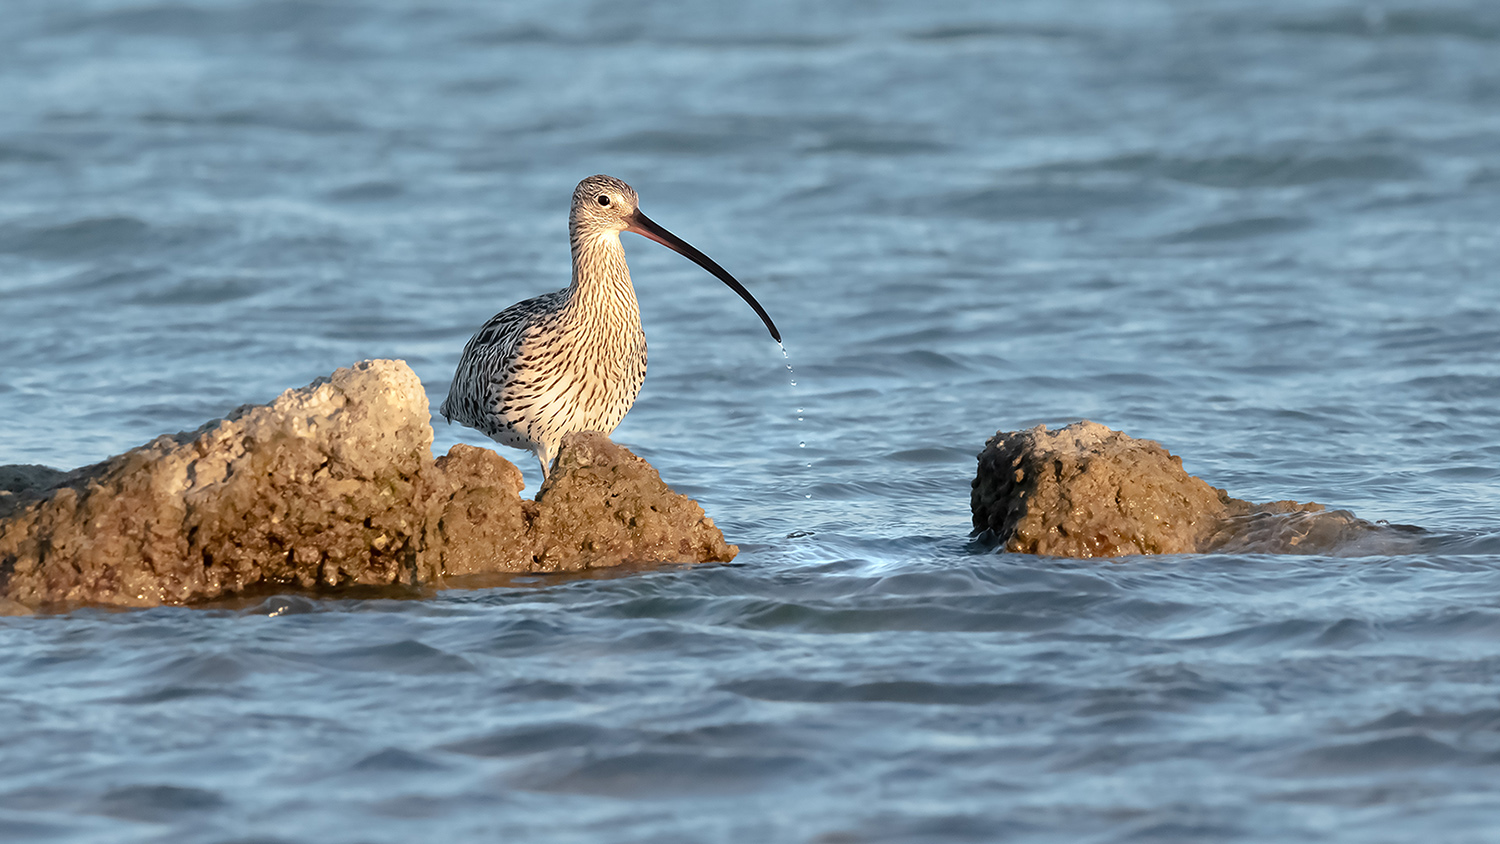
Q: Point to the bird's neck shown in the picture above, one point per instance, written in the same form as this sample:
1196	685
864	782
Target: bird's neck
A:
601	280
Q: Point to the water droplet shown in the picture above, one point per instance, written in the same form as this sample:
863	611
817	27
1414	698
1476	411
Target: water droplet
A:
801	418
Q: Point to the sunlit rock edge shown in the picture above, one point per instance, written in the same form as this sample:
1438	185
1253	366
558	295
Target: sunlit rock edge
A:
330	487
1085	490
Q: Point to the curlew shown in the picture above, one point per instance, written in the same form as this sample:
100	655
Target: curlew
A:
575	359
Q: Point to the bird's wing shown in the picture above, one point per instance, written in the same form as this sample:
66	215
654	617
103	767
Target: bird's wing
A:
489	359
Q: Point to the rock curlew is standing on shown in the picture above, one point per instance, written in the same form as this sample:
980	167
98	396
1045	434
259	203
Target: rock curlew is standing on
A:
572	360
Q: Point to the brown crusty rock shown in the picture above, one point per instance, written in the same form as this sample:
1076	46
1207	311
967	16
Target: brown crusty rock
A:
1087	491
604	503
23	482
602	506
319	488
477	522
330	486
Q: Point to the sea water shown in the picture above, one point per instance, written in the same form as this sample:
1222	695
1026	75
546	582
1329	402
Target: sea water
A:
1261	233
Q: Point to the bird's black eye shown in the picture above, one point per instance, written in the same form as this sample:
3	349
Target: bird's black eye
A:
603	200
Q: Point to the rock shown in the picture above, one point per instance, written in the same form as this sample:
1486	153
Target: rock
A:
320	488
478	523
21	483
1268	529
1087	491
602	506
28	477
330	486
603	502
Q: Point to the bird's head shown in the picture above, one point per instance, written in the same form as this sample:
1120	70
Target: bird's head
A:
604	206
603	203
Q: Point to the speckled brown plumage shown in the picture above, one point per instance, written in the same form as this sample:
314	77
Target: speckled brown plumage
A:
575	359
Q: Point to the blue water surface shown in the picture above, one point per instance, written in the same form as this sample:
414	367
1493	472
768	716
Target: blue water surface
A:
1262	233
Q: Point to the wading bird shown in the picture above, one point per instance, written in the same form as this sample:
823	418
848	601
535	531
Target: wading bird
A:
572	360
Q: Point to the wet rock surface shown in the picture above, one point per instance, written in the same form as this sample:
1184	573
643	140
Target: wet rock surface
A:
602	502
1085	490
602	506
328	487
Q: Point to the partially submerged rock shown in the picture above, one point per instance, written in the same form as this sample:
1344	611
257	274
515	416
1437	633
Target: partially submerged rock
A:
330	486
602	502
602	506
323	487
1087	491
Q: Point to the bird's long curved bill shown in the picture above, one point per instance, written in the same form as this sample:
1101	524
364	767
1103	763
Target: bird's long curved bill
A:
644	226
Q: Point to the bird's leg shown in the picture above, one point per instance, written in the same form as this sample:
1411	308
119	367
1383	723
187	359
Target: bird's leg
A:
544	457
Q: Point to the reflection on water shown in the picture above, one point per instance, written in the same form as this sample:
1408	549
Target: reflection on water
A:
1261	234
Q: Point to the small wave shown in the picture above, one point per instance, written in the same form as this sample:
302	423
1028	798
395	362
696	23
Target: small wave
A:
888	363
933	455
396	760
168	694
1269	168
375	191
653	773
1460	386
158	803
310	121
910	616
217	669
202	292
1250	227
759	40
177	20
26	830
1042	201
1476	544
521	34
1410	23
1251	170
1479	624
1341	634
543	738
1394	752
404	657
987	31
26	155
895	691
866	143
89	238
1476	721
683	142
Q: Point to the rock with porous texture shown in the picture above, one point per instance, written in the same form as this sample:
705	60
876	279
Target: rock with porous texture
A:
322	487
601	506
22	482
1087	491
330	486
603	502
478	523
